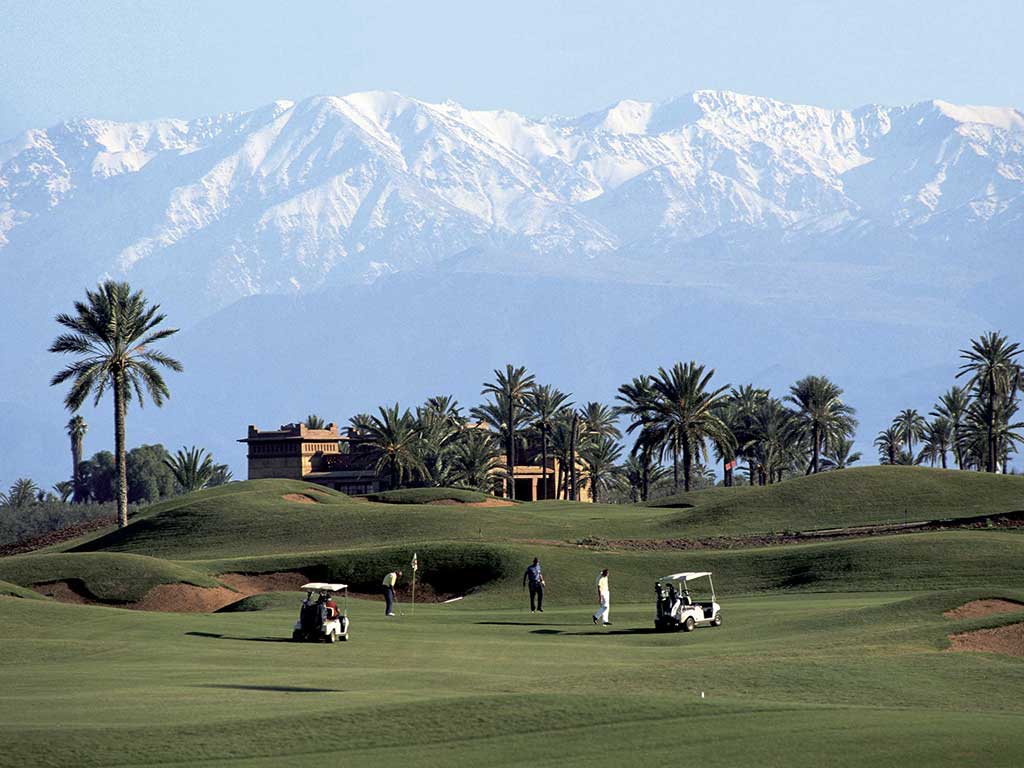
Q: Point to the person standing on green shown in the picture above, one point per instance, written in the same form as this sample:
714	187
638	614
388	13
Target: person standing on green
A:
603	599
389	592
536	580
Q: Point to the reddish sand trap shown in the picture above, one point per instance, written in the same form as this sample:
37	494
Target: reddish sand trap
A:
977	609
487	503
299	497
1008	640
255	583
184	598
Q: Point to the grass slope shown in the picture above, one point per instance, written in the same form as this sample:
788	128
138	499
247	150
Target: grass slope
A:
796	680
851	497
428	495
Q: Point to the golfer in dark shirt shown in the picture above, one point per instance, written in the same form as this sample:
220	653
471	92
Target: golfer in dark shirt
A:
536	581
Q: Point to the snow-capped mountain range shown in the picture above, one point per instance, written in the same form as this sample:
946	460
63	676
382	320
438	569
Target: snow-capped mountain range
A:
336	190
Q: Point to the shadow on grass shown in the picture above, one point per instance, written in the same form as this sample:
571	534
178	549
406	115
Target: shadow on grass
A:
519	624
217	636
594	632
279	688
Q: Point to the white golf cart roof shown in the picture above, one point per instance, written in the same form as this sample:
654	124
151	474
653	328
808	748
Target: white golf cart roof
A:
686	576
319	586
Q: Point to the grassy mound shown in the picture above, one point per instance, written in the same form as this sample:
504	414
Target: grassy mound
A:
108	577
13	590
267	601
428	495
444	568
851	497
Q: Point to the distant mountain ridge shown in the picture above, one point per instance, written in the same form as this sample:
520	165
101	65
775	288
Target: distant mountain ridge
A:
329	190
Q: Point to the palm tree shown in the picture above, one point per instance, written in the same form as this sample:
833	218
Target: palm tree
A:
601	456
76	429
686	413
778	442
193	468
394	437
640	475
936	439
822	413
952	407
841	455
476	460
21	494
315	422
638	403
889	445
995	375
440	424
64	490
113	332
746	401
910	424
510	387
545	403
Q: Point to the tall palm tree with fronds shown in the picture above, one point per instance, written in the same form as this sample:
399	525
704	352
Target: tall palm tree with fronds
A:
545	403
314	422
936	438
113	333
952	406
601	456
640	477
394	437
822	413
637	400
510	387
889	444
910	425
746	401
193	468
440	423
76	429
64	490
686	412
995	374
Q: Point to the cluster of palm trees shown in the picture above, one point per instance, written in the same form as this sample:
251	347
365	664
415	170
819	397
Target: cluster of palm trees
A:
678	414
975	421
439	444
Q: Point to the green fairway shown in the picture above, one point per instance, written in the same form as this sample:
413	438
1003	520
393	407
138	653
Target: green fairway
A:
789	680
832	653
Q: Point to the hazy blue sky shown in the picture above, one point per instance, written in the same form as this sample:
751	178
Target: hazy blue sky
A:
122	60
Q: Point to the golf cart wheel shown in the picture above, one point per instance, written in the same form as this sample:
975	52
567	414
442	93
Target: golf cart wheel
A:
332	637
297	636
345	636
717	621
689	624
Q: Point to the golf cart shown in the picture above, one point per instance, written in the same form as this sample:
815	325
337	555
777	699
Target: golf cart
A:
319	618
676	609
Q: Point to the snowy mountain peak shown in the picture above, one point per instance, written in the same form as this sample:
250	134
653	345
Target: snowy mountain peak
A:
295	195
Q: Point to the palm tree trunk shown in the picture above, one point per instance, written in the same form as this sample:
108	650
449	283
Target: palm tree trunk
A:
120	458
572	457
544	459
510	458
816	450
686	464
76	459
675	468
991	423
645	478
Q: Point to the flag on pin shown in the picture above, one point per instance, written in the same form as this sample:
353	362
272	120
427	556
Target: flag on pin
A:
415	562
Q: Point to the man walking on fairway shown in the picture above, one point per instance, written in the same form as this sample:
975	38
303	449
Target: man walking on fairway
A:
389	592
536	579
603	598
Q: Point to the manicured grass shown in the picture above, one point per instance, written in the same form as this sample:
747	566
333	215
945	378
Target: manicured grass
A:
801	680
13	590
851	497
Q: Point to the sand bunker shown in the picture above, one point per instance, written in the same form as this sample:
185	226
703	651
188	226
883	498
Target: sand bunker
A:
977	609
1008	640
185	598
64	592
486	503
299	497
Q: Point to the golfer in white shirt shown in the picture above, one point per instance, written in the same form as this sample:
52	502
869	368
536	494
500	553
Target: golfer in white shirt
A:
603	598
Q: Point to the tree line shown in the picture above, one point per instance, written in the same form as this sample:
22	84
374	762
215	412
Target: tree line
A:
975	422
